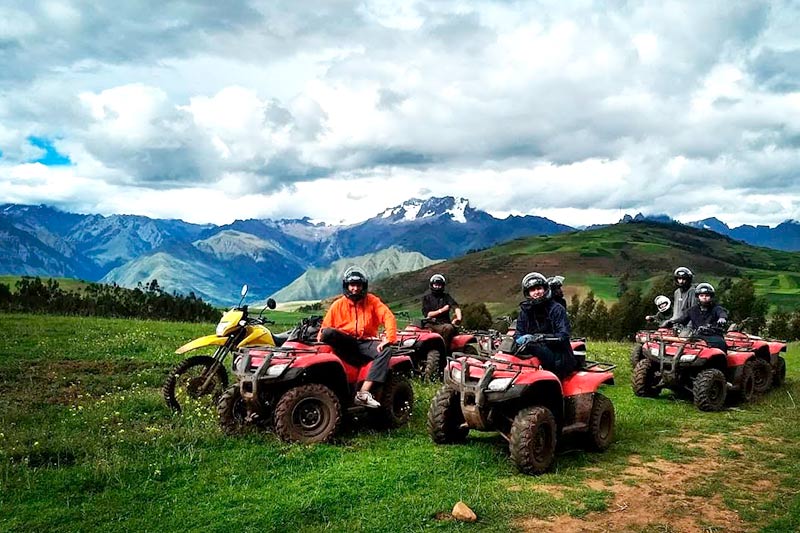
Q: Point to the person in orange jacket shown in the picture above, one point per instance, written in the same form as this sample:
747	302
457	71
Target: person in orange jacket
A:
351	327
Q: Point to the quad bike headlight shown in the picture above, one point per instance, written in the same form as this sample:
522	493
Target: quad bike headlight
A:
500	384
277	370
688	358
654	351
456	374
408	343
221	327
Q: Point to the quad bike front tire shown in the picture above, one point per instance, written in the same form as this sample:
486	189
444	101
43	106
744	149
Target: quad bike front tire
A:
186	379
779	375
762	372
232	410
308	413
643	379
710	389
637	354
747	382
446	424
397	402
433	365
601	424
532	442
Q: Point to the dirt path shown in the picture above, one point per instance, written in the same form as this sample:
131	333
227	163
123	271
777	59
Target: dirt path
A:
653	497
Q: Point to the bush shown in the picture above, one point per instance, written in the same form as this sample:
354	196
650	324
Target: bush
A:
476	316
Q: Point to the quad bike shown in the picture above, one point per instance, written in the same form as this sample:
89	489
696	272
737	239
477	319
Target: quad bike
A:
686	364
531	408
578	343
303	390
427	348
770	365
205	375
644	336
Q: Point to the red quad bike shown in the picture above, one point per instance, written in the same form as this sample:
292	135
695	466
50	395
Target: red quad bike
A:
304	390
644	336
687	364
770	366
428	349
529	406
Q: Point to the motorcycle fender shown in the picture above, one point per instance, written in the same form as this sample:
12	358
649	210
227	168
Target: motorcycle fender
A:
208	340
586	382
258	337
459	341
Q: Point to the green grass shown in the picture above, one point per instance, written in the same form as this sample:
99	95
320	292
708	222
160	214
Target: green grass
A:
86	443
67	284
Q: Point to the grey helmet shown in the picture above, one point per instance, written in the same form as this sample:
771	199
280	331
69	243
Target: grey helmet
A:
683	273
535	279
355	275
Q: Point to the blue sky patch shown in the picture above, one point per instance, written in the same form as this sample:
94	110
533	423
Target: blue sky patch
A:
51	156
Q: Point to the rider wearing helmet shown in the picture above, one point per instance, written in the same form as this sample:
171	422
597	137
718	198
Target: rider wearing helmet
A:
540	316
662	304
705	313
436	307
684	296
351	327
556	284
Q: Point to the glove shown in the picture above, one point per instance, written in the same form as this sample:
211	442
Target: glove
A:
650	318
721	322
524	339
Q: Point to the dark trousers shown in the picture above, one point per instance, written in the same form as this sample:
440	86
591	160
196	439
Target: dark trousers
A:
447	331
560	363
359	352
715	341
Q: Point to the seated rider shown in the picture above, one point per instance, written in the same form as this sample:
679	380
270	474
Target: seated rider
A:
662	304
705	313
436	307
556	284
540	316
351	327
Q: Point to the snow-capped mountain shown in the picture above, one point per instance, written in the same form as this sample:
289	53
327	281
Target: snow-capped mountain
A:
456	209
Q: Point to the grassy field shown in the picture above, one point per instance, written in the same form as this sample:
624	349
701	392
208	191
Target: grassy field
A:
67	284
87	443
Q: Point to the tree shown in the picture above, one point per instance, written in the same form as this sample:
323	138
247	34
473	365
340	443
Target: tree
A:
601	321
584	325
475	316
779	325
741	302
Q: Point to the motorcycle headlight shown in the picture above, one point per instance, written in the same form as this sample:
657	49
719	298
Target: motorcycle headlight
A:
221	327
688	358
500	384
277	370
456	374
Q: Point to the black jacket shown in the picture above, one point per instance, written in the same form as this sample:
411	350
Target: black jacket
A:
432	302
548	318
699	316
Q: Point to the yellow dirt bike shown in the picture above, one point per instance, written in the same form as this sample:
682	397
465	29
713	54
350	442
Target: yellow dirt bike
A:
205	375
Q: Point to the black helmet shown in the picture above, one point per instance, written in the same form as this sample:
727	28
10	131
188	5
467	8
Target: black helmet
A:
683	273
705	288
354	275
534	279
438	279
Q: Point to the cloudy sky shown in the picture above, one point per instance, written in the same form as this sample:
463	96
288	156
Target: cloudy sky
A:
580	111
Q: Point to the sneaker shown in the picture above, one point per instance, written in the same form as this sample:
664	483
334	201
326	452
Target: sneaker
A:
365	398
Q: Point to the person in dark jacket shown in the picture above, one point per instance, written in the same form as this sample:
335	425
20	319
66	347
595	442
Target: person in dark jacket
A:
684	296
705	313
540	316
556	284
436	308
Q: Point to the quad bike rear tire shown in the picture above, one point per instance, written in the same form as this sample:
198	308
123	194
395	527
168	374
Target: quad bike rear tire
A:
763	376
601	424
446	424
308	413
779	375
710	389
532	442
232	410
397	403
644	380
185	380
433	365
637	354
748	382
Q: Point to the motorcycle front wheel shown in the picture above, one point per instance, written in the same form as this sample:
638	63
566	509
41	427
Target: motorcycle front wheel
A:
184	384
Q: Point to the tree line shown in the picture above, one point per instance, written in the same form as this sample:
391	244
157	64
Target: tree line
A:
148	301
592	318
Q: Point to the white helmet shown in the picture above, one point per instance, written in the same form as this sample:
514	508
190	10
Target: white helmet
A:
662	302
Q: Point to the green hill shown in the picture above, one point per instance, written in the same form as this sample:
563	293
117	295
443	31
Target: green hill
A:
597	259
